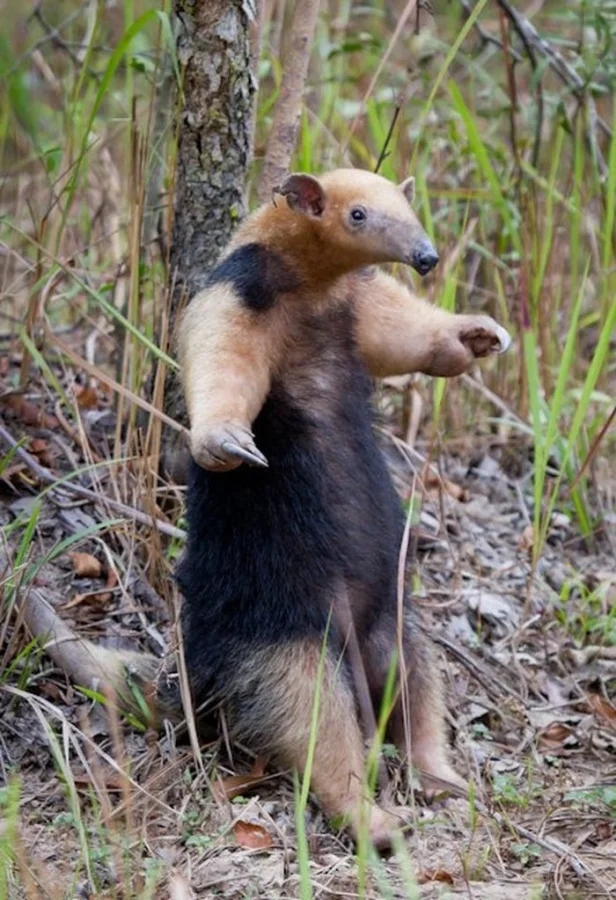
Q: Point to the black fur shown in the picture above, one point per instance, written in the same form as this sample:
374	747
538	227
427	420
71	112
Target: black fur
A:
258	275
267	547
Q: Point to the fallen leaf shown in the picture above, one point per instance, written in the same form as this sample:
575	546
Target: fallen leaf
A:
4	365
251	836
39	447
236	785
85	565
602	708
434	875
603	831
112	781
28	412
88	597
554	736
87	397
434	482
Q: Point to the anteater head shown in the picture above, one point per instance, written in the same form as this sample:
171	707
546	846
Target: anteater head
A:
361	217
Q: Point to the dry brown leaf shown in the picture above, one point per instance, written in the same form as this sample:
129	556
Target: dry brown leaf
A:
236	785
28	412
603	831
433	482
554	736
4	365
251	836
112	781
90	596
428	875
39	447
85	565
87	397
602	708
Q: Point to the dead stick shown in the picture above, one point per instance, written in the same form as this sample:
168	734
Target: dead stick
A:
282	138
48	477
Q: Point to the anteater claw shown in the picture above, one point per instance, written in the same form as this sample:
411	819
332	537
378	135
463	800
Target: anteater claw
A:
252	457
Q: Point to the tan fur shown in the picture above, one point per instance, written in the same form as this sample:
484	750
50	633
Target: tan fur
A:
282	683
321	250
423	730
226	360
398	332
228	354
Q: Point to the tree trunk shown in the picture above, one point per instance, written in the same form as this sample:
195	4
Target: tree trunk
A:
214	151
215	133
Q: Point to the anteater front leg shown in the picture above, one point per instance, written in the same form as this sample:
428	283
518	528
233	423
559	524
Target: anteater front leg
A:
398	332
226	354
271	706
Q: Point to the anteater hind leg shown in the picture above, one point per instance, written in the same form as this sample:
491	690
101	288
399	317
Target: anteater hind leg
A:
271	710
423	728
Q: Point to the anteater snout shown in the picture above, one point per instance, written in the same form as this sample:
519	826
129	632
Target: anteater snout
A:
425	258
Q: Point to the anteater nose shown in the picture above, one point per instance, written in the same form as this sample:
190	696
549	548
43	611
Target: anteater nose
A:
424	258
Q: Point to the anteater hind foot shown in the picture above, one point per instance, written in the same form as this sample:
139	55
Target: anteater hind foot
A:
271	708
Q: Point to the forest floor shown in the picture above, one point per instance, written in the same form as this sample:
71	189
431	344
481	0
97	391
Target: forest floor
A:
106	811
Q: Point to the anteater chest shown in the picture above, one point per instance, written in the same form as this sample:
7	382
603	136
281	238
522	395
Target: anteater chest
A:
323	509
320	400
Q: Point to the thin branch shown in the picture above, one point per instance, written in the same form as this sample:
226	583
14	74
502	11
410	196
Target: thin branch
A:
402	20
485	36
592	452
47	477
283	135
532	39
385	148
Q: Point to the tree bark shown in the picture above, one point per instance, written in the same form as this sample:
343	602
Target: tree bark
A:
214	151
215	133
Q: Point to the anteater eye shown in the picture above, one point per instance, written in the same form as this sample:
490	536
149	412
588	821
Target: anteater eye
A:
358	214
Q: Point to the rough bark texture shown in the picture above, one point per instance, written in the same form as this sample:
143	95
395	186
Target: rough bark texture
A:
215	132
214	151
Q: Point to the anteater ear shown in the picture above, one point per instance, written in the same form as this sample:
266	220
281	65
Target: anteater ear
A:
304	193
408	188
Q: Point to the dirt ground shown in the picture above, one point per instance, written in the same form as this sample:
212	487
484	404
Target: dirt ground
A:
108	811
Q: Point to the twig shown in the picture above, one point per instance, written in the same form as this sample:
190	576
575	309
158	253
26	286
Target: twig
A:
385	148
53	35
553	845
593	449
492	687
402	20
485	36
48	477
282	137
532	39
496	400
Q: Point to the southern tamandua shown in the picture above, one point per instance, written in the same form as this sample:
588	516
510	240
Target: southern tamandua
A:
289	499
